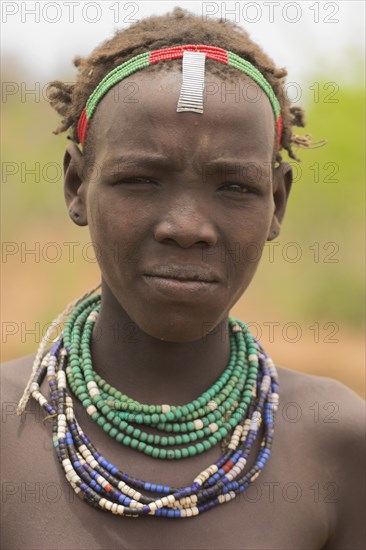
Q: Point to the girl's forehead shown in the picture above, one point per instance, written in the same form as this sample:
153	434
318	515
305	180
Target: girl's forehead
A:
141	112
145	88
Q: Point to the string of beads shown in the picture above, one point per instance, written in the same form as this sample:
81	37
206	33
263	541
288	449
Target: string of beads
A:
243	397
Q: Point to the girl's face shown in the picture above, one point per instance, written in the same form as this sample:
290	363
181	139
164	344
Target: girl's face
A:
180	205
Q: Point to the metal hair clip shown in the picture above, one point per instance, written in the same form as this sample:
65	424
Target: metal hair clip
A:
191	92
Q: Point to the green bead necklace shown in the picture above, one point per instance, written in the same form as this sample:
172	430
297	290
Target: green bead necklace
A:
195	426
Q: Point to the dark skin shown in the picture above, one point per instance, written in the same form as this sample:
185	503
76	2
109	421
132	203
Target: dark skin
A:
172	339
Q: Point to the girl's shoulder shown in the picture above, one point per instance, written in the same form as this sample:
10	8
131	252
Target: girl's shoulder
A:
14	376
299	388
325	419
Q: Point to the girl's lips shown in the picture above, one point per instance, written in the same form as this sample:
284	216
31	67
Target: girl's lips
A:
178	287
183	272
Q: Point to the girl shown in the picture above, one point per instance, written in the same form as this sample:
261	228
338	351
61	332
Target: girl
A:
162	407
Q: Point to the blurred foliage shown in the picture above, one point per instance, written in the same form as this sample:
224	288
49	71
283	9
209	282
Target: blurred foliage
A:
323	274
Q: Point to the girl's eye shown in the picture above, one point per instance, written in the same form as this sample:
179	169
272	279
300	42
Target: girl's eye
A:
238	187
137	180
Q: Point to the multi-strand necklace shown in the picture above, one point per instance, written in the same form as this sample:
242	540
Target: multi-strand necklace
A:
232	409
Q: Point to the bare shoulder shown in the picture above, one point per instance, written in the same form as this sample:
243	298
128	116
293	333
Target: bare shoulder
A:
325	410
320	386
326	415
13	368
14	376
330	401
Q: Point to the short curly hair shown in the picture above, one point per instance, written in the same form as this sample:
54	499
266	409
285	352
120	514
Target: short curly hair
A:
155	32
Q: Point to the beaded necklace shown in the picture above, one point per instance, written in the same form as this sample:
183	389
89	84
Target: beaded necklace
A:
236	404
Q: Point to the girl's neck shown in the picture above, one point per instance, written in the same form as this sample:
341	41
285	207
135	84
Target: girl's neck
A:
151	370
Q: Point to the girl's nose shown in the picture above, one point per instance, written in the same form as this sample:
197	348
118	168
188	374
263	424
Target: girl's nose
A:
186	225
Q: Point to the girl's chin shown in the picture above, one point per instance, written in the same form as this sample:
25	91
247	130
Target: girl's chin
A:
179	329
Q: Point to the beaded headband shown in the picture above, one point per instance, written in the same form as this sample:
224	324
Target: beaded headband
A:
191	94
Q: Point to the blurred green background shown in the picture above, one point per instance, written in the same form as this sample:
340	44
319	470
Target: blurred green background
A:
306	303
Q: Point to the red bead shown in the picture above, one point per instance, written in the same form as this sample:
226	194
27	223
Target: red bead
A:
228	466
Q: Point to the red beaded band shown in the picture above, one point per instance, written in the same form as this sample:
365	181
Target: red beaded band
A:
82	126
279	129
177	51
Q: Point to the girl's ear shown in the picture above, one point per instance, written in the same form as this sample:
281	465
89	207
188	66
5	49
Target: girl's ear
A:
282	181
74	184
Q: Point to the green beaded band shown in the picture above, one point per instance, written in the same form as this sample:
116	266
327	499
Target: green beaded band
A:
112	78
249	69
